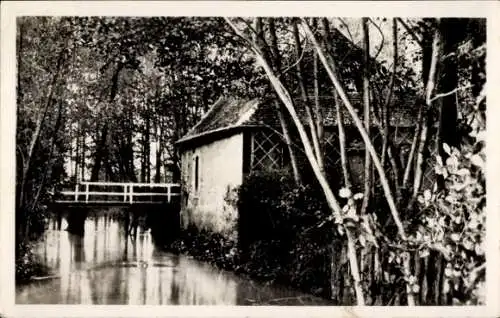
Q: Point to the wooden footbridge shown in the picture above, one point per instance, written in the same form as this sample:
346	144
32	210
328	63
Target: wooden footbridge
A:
134	199
87	193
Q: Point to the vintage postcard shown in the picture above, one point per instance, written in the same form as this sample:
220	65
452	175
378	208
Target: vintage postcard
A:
248	158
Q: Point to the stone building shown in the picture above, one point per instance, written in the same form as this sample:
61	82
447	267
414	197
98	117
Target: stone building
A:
236	137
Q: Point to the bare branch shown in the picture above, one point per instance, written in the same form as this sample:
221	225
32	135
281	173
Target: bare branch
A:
347	29
359	125
296	62
451	92
240	34
429	89
410	31
385	107
381	34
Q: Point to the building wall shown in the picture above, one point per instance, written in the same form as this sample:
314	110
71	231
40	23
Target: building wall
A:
212	206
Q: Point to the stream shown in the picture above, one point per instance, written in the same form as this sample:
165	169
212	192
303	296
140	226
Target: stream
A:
105	267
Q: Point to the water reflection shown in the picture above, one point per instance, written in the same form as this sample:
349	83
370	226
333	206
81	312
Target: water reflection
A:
105	267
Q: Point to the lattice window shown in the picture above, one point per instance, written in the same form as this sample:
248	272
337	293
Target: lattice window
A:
429	176
267	150
402	137
332	149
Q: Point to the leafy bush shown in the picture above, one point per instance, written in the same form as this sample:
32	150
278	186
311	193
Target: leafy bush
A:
281	235
454	221
282	230
206	246
27	264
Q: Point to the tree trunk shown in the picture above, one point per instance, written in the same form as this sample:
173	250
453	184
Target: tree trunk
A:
273	58
305	99
359	126
158	150
47	171
82	155
339	116
77	154
148	145
143	159
366	116
327	191
101	150
448	132
317	106
429	90
411	155
99	153
39	124
386	105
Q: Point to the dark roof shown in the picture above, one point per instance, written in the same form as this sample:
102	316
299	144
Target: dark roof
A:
402	114
231	113
226	113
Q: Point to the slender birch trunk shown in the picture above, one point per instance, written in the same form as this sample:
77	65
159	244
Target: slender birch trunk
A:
317	106
369	146
366	113
364	135
429	90
267	55
305	99
47	171
411	155
339	116
39	124
385	107
330	197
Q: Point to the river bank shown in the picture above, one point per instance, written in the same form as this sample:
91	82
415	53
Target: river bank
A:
221	253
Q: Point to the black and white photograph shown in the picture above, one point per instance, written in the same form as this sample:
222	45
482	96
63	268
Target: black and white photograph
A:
285	160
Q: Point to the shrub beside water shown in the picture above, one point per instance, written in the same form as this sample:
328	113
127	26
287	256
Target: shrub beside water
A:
27	264
287	230
281	235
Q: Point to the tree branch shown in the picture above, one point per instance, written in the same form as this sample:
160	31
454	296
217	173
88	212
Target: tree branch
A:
381	34
385	107
410	31
295	63
450	92
359	125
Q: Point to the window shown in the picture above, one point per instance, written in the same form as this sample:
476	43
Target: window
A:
267	151
196	173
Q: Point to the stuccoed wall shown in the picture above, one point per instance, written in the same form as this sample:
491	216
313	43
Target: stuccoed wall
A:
212	207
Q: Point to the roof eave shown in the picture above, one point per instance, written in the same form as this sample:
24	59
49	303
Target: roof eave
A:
214	132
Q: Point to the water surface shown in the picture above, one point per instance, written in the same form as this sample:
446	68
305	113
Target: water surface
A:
105	267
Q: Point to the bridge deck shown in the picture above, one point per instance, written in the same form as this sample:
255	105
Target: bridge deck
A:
118	194
104	203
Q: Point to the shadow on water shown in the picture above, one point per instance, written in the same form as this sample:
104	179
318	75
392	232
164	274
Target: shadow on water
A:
106	267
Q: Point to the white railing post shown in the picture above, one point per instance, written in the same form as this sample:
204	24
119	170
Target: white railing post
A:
86	193
125	192
131	192
76	192
169	193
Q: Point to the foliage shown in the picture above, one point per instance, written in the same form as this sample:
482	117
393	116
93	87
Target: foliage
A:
282	230
206	246
455	217
27	264
288	244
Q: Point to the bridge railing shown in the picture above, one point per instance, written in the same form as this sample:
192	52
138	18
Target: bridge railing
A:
121	192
